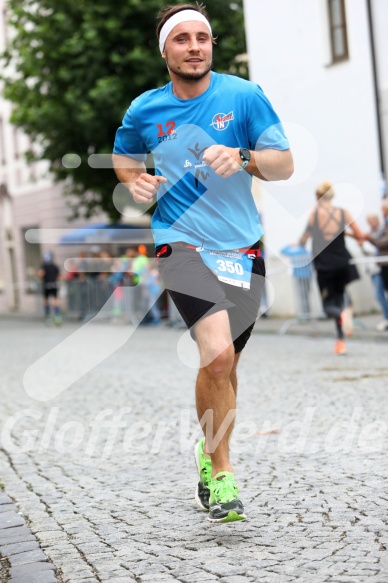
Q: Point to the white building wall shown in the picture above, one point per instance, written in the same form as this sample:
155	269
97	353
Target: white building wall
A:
328	111
380	25
35	202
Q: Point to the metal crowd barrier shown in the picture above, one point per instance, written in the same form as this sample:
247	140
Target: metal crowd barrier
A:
85	297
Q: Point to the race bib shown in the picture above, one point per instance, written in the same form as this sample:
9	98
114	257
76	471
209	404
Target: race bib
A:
230	267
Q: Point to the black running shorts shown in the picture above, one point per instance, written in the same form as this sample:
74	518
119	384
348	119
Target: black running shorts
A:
197	292
50	292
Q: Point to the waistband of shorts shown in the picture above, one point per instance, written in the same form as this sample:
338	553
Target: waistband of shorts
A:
251	250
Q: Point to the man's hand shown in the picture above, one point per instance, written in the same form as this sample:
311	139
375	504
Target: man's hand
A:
223	160
145	187
133	174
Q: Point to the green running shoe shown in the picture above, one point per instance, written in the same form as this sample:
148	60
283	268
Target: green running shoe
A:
204	466
224	504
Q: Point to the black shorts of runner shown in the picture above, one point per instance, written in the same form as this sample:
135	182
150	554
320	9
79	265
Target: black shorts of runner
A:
50	292
332	283
197	292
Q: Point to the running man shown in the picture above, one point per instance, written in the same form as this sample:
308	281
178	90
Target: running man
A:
209	134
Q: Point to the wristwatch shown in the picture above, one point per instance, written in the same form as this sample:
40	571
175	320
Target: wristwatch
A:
245	156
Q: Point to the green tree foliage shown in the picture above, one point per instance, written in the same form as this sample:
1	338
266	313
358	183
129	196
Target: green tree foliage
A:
74	66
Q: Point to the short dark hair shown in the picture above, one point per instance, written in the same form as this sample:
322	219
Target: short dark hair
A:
172	9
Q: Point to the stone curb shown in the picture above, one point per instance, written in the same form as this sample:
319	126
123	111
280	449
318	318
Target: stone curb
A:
28	564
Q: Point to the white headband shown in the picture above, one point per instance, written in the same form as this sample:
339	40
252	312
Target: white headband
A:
178	18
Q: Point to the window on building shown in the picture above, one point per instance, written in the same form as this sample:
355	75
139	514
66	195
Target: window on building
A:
338	33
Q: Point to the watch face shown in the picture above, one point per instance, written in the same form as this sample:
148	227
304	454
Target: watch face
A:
245	154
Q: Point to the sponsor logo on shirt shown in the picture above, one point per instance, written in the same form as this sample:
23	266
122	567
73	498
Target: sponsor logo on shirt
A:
188	164
197	152
221	121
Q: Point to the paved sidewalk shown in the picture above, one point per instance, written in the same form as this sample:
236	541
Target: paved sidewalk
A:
104	474
25	562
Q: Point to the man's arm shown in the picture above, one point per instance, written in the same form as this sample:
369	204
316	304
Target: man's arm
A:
127	169
380	242
269	164
133	174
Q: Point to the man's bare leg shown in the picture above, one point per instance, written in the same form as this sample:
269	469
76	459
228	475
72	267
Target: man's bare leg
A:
216	385
233	374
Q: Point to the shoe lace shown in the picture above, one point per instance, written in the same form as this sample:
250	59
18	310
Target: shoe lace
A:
225	489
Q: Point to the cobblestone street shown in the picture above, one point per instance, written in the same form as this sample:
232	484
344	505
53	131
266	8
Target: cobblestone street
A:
102	476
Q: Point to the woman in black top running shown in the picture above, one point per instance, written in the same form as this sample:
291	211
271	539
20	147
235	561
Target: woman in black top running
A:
327	225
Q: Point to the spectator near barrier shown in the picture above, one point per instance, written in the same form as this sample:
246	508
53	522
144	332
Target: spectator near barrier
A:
381	242
302	273
140	269
49	274
374	269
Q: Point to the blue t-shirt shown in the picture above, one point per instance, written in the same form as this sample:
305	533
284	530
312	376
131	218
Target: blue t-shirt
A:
195	205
